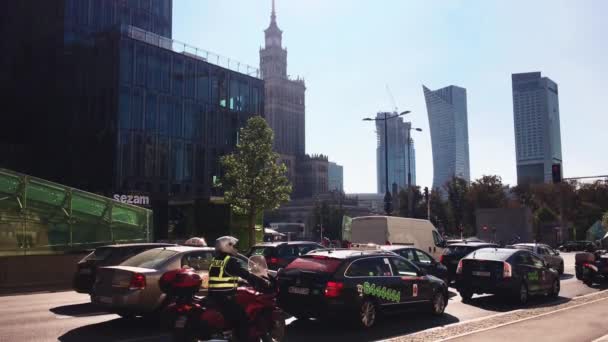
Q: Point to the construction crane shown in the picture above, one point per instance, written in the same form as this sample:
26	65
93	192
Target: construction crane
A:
390	94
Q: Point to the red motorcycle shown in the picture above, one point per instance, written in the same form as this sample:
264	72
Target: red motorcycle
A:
194	318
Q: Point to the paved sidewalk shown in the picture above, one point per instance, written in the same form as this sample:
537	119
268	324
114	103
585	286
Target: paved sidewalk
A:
588	322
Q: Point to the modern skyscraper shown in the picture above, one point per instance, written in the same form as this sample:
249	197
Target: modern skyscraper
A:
335	174
285	102
447	111
537	130
398	132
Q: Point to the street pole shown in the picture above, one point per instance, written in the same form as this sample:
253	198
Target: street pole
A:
410	200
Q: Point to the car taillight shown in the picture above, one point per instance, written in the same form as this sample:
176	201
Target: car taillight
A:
333	289
138	281
507	271
441	259
274	260
459	267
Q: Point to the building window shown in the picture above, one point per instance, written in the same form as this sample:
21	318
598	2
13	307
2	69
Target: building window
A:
150	157
243	100
154	69
165	72
140	64
178	76
189	120
199	158
137	109
176	119
125	108
223	91
177	161
125	154
189	163
138	156
151	109
126	61
190	78
202	83
234	94
163	153
164	111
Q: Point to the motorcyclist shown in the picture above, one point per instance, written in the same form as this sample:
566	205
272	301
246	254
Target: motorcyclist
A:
224	274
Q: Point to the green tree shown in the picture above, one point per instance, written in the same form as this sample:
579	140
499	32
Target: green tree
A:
439	213
253	181
459	208
487	192
418	204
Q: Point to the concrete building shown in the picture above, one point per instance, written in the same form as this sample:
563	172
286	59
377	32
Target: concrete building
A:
312	176
447	112
285	97
537	129
374	203
398	156
336	177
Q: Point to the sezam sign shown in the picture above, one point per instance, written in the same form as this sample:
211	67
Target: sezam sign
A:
133	199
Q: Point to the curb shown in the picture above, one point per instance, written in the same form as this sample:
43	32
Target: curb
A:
523	319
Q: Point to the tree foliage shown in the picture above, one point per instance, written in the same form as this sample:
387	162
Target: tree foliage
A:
487	192
253	181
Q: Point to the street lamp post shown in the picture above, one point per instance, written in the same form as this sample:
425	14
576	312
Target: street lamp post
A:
388	208
410	200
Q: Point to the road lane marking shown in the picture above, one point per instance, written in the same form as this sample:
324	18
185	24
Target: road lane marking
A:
521	320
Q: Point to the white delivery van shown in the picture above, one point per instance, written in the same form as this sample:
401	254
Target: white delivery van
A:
398	231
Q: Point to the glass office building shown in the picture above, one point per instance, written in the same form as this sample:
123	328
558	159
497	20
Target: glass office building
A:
537	128
101	98
398	156
447	112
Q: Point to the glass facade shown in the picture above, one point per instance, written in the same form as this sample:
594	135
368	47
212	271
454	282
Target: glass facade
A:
41	217
83	17
177	115
447	112
537	127
398	158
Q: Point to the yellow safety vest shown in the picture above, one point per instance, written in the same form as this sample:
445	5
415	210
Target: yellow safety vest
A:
219	280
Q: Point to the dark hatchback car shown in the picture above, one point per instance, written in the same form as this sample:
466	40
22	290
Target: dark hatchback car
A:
112	255
454	252
504	271
421	259
359	285
280	254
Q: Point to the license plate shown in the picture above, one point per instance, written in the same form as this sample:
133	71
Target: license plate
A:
298	290
180	322
85	271
104	300
481	274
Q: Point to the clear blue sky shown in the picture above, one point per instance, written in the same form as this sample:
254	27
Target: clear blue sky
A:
348	50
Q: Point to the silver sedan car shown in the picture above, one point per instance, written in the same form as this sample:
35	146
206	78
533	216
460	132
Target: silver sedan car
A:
131	288
551	256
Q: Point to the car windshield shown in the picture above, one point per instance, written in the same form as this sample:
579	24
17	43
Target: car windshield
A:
259	250
461	250
152	258
524	247
490	254
316	264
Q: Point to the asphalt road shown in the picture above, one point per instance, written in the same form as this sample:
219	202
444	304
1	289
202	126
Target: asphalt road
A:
68	316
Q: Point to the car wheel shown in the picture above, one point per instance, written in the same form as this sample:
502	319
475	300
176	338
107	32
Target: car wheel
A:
466	294
555	289
367	314
438	304
523	294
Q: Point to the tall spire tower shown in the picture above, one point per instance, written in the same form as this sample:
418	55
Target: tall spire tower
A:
284	101
273	58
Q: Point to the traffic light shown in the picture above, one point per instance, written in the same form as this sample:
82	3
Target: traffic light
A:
556	173
426	193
